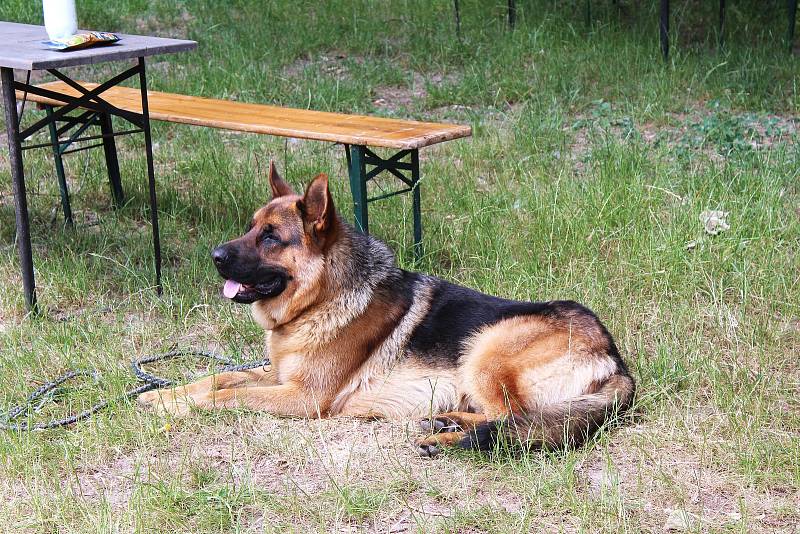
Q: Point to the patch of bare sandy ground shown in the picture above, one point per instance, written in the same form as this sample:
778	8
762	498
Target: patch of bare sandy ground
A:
656	480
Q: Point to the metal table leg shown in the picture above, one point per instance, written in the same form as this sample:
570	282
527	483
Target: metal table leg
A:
99	113
18	184
151	176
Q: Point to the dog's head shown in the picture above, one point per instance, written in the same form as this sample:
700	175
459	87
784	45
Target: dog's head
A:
279	259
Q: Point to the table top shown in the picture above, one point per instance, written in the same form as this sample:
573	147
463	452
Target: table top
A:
21	48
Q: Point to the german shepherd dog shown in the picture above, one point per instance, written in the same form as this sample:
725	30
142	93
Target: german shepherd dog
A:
351	334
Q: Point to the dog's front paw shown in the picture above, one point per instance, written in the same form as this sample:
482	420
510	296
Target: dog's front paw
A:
165	401
149	398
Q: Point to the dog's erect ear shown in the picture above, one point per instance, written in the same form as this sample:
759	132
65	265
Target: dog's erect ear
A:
279	187
318	209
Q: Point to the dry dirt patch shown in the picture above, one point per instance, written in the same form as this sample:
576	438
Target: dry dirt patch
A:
337	64
310	459
395	97
677	481
174	27
333	63
296	457
704	129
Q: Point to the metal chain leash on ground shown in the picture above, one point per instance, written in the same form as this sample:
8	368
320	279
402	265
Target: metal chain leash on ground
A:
46	392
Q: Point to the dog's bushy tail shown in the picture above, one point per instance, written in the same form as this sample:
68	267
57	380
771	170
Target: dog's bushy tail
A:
556	426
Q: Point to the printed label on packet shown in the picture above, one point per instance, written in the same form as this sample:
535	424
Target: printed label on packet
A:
81	40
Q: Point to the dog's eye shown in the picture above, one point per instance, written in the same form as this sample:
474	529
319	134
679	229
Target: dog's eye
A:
268	236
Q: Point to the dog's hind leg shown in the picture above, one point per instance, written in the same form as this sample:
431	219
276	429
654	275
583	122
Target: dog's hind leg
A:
433	445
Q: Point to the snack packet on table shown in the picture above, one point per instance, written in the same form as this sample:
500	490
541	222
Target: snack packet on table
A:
81	40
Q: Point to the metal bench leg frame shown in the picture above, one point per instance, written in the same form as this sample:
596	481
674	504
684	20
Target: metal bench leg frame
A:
358	157
84	121
100	113
112	163
59	164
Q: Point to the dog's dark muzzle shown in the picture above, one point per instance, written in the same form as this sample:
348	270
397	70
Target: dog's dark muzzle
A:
248	279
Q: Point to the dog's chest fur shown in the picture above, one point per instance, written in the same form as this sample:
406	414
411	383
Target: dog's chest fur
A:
365	365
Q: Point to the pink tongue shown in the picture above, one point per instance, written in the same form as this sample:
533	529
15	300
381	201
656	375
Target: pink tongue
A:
231	288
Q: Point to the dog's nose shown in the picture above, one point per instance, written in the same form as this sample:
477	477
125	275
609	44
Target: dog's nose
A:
220	255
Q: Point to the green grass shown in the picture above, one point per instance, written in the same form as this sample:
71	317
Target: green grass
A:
590	164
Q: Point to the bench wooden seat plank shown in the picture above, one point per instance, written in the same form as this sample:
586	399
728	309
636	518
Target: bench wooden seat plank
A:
273	120
356	132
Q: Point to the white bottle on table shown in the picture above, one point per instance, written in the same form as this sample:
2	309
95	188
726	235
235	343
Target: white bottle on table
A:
60	19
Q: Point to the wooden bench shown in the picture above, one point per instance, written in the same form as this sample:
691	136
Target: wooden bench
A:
356	132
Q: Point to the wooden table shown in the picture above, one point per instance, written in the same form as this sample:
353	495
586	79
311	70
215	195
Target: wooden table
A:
21	48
